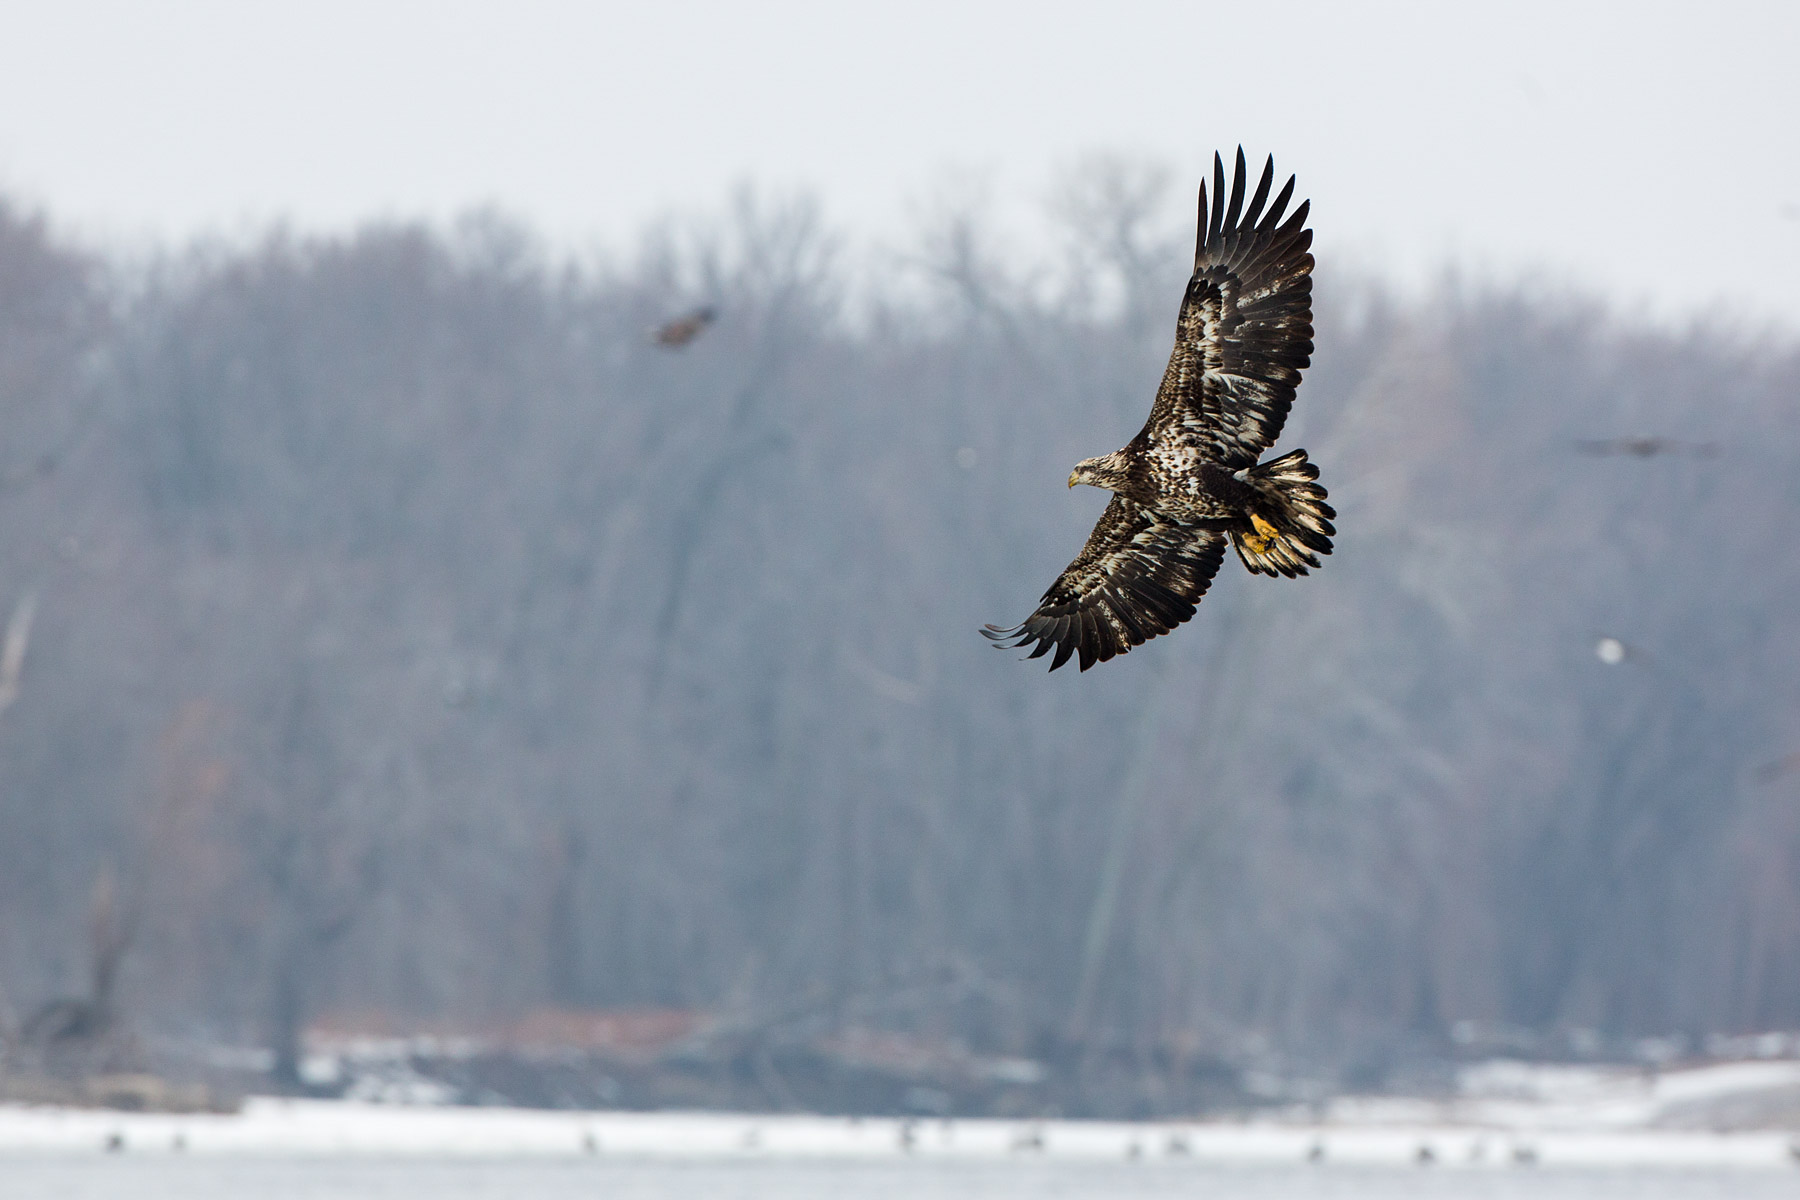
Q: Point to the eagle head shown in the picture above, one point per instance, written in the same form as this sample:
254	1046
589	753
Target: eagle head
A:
1109	471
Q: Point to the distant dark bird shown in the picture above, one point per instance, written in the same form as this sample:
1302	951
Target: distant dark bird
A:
682	330
1190	478
1644	447
1769	772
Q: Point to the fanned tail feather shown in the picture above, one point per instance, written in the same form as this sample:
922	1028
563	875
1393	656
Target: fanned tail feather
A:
1290	523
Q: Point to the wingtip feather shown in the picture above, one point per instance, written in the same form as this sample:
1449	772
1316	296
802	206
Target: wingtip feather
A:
1273	218
1218	206
1237	194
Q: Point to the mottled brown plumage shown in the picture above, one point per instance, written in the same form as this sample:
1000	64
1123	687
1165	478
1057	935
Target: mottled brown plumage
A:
1190	478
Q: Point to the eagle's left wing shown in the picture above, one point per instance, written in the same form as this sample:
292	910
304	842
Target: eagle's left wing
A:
1245	329
1139	575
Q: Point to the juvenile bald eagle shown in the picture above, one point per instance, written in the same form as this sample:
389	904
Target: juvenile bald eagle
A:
1190	478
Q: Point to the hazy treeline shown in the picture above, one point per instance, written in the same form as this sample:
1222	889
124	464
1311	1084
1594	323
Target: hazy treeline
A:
412	634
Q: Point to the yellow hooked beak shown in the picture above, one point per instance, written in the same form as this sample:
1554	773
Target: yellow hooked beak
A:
1073	480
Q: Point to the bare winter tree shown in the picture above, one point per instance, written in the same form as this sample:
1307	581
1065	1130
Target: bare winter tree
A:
81	1035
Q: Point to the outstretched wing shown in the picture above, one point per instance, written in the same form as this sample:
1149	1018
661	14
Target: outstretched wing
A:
1245	330
1139	575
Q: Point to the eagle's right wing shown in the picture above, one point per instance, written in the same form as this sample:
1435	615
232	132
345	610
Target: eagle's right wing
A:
1245	329
1139	575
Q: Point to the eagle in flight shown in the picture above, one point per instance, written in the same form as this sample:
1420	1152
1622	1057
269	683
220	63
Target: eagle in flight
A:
1190	479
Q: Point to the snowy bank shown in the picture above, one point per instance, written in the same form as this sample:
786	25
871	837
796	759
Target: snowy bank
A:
340	1128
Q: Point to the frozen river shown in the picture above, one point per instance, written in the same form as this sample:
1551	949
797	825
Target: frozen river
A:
314	1150
33	1177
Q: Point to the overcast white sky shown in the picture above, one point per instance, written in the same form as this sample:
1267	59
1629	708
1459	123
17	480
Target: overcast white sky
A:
1643	150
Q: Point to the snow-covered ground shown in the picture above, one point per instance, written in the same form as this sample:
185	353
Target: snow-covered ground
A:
1506	1114
1533	1097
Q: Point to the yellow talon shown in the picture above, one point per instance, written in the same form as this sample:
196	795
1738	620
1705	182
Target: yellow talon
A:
1265	535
